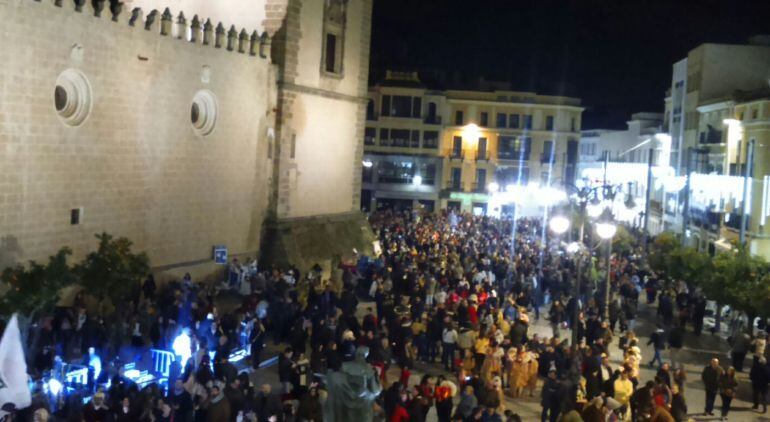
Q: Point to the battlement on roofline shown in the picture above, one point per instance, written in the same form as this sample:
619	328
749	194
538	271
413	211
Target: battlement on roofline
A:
195	31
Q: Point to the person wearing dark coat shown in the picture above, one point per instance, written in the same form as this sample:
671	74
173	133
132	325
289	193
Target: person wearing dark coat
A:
285	369
310	407
759	376
710	377
181	402
267	404
551	397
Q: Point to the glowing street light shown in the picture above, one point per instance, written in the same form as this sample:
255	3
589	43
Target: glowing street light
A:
606	230
367	163
493	187
417	180
559	224
573	247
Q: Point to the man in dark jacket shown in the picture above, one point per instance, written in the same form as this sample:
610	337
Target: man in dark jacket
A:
710	378
759	376
675	343
550	399
658	341
267	404
285	369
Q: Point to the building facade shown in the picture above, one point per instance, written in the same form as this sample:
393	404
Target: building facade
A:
626	156
458	148
179	130
701	99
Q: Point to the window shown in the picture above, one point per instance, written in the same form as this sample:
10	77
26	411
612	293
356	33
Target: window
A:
430	139
370	110
755	113
548	122
385	109
333	30
501	120
528	121
457	147
399	172
401	106
514	121
459	117
514	148
428	173
572	125
369	134
75	216
432	118
481	180
384	137
505	176
399	137
456	178
484	119
293	151
416	107
331	53
547	154
415	143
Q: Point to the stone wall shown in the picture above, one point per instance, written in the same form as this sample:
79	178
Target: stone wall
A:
135	166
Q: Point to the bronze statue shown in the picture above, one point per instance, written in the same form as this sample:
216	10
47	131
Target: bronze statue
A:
352	390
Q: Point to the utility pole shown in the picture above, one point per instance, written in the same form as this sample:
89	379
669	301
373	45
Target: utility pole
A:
647	199
747	179
686	206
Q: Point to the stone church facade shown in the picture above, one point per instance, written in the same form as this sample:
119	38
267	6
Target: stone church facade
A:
180	130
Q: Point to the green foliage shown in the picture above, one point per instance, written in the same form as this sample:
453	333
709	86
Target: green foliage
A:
32	290
112	270
660	251
623	242
734	278
740	280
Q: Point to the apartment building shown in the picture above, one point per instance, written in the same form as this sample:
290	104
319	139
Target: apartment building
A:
458	148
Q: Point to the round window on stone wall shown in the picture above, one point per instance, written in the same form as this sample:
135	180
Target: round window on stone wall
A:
72	97
203	112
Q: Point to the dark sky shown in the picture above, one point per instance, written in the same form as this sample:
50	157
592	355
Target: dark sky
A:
615	54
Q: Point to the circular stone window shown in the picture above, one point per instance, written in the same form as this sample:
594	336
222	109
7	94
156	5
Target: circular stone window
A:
203	112
72	97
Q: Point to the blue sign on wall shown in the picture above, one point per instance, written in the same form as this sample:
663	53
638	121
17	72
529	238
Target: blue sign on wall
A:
220	254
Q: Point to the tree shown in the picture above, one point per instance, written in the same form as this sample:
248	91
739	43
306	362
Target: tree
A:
623	243
112	271
661	251
35	290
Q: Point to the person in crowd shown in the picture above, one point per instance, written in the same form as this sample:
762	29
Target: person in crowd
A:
728	387
711	377
759	376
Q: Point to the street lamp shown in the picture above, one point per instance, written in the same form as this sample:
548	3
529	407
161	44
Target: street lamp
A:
606	230
559	224
417	180
493	187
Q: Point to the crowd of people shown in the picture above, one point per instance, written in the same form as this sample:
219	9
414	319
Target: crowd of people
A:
454	294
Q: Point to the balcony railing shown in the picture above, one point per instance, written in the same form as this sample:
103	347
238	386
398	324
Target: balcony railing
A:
456	155
432	120
545	158
479	186
482	156
454	186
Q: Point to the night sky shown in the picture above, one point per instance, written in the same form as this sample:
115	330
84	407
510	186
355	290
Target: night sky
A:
616	54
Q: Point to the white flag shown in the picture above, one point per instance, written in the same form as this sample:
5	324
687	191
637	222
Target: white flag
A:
13	369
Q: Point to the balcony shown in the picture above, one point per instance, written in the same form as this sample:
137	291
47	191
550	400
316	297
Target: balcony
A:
456	155
545	158
513	155
432	120
454	186
483	156
479	186
711	136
